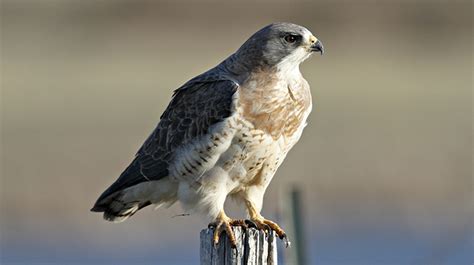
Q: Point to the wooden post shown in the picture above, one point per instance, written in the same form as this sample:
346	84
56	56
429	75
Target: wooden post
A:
254	247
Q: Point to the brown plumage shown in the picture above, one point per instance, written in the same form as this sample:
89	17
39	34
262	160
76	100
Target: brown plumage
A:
271	109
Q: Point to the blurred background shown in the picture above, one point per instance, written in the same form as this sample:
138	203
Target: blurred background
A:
384	166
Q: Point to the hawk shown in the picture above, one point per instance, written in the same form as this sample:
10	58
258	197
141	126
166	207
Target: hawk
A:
224	133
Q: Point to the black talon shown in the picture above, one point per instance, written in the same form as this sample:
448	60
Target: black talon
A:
211	225
285	240
266	228
251	224
283	236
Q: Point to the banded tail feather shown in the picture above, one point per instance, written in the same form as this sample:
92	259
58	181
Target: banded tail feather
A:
120	205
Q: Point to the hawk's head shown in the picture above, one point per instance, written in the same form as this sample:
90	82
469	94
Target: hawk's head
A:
280	43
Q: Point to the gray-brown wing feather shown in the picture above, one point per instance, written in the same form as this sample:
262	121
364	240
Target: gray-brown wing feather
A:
193	109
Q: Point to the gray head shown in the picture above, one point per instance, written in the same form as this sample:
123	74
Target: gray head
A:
279	43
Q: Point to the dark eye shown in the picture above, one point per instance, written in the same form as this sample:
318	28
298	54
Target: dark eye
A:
291	38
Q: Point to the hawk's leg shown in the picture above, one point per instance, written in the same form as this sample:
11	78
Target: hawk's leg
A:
224	224
265	224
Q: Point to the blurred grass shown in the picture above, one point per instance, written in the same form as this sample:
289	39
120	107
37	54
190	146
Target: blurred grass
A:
388	146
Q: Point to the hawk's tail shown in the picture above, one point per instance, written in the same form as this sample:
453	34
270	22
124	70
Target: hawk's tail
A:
120	205
116	209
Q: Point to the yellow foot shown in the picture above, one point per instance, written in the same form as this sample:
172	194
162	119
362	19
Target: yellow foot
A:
266	225
224	224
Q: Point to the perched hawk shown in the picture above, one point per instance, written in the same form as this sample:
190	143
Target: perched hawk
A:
224	133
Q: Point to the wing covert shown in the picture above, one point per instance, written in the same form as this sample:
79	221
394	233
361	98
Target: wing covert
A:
195	107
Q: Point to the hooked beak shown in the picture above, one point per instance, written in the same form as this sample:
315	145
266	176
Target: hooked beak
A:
317	47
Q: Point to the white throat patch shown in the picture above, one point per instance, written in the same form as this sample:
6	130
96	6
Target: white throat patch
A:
290	65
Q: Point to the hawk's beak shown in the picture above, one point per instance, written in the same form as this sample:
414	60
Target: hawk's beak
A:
317	47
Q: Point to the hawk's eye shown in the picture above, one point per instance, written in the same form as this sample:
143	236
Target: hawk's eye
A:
291	38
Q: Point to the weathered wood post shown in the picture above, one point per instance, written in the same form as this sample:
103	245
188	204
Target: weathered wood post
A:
254	247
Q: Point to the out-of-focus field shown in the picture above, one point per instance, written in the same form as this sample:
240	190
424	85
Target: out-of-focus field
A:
385	163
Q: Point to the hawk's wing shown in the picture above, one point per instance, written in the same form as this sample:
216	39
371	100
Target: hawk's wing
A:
193	109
